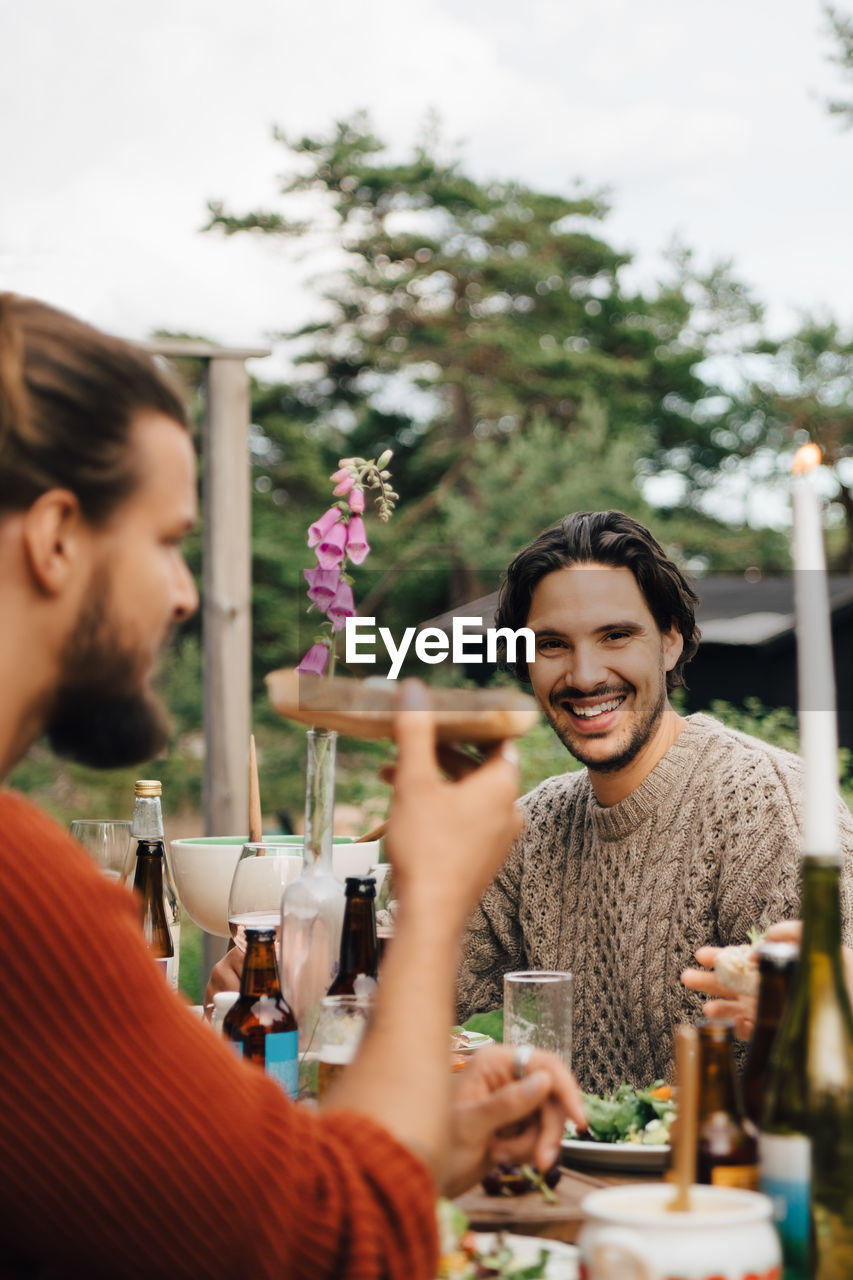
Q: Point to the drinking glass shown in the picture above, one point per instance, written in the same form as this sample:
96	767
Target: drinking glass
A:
263	872
108	841
342	1023
538	1011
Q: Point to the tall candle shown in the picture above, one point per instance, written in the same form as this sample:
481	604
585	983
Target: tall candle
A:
817	720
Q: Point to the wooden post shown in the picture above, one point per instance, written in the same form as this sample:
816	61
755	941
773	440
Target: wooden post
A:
226	591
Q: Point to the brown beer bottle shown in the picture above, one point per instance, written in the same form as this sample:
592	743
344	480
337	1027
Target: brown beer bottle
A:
776	964
727	1154
147	828
359	951
260	1024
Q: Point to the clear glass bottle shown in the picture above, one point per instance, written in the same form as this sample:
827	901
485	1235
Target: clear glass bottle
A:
312	907
359	958
806	1132
727	1148
153	877
260	1023
776	964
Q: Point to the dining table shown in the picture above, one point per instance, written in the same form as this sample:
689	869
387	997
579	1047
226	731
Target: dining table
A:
533	1215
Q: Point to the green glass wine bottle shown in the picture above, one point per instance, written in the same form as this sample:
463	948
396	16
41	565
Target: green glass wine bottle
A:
806	1138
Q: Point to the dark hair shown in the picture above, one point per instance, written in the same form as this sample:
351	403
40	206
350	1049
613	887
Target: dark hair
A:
68	397
603	537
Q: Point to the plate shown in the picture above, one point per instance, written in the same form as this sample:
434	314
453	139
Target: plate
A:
362	709
562	1261
630	1157
476	1040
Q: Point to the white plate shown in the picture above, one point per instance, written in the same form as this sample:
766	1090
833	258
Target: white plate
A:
630	1157
562	1261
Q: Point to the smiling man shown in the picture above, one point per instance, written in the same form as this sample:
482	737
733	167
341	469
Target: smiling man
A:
678	833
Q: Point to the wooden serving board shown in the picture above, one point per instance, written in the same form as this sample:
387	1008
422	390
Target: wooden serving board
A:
361	709
532	1215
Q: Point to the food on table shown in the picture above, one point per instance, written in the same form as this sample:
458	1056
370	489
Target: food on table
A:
518	1180
628	1115
364	709
463	1043
737	969
461	1259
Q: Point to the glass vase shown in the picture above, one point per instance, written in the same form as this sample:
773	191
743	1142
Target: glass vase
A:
312	907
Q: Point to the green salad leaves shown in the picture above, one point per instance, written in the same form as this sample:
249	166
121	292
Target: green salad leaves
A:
641	1116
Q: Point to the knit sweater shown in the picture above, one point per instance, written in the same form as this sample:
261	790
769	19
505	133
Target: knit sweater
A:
133	1143
704	848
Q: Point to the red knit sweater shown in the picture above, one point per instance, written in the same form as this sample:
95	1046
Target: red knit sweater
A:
133	1142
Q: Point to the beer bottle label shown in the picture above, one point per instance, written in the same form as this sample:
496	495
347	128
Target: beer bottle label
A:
281	1060
162	963
786	1175
236	1045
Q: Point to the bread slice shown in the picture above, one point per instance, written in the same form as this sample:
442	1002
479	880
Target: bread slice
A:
366	708
737	969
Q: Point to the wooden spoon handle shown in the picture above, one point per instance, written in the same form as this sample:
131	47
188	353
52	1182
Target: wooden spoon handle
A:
687	1081
256	830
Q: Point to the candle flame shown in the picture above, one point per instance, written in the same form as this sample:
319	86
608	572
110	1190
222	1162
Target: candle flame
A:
807	457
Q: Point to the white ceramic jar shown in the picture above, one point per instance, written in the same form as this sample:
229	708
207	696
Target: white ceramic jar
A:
629	1234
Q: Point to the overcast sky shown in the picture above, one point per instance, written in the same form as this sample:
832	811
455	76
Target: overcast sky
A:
118	123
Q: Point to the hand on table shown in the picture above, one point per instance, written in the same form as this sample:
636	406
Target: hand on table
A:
489	1100
225	975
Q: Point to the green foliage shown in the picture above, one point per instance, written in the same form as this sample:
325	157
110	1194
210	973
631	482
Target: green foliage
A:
480	327
840	27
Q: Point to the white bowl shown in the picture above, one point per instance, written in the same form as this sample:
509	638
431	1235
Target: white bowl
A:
203	869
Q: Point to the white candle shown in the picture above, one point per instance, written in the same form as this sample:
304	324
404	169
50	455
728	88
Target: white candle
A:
817	720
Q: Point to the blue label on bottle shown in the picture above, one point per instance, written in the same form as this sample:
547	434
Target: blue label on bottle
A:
237	1046
786	1175
281	1060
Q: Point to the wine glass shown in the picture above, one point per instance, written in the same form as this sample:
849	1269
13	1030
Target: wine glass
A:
263	872
109	843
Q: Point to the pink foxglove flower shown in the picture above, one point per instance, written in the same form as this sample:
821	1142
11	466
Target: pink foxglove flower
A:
322	585
319	529
330	552
342	607
315	661
336	537
357	546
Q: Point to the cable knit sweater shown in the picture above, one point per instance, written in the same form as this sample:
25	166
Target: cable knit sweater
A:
704	848
133	1143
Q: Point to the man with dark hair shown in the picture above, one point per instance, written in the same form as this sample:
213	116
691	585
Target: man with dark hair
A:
679	833
133	1142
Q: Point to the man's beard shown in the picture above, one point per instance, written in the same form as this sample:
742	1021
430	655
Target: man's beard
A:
642	732
100	716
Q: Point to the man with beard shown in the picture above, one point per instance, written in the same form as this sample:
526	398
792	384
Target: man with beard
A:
679	832
132	1141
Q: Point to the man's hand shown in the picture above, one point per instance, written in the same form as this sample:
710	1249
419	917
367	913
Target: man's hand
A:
498	1119
225	975
728	1004
723	1003
446	840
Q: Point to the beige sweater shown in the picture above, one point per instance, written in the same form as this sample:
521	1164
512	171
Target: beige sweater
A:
707	846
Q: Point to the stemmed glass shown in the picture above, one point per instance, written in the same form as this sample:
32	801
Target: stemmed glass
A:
262	874
109	843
